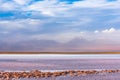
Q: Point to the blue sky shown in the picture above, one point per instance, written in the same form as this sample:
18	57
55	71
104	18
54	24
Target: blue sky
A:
59	25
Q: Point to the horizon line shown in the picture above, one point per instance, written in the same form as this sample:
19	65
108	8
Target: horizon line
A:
14	52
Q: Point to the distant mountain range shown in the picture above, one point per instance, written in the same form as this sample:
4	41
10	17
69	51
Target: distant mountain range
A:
75	45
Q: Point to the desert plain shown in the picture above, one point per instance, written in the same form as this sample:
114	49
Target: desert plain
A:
60	68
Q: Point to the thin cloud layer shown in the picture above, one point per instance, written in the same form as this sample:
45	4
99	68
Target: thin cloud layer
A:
59	25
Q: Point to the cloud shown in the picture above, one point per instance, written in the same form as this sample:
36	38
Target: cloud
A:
109	30
59	6
108	36
56	8
31	24
7	6
52	8
72	26
96	31
16	30
103	4
59	37
22	2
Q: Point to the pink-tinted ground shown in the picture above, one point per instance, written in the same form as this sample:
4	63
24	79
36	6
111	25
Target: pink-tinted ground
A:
59	64
65	64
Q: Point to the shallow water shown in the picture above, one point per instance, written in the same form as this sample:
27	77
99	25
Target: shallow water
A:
60	64
59	56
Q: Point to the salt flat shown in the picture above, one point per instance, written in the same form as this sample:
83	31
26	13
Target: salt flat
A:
63	62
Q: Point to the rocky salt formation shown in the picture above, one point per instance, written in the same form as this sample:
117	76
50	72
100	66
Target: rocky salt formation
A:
40	74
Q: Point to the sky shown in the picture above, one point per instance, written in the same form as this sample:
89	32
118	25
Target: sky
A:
60	25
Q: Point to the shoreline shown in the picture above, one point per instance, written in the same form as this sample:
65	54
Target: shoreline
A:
59	56
41	74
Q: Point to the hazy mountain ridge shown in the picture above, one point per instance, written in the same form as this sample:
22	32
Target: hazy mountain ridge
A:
77	44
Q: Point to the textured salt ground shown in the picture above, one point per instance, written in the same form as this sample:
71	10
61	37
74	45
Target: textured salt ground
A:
106	76
60	64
